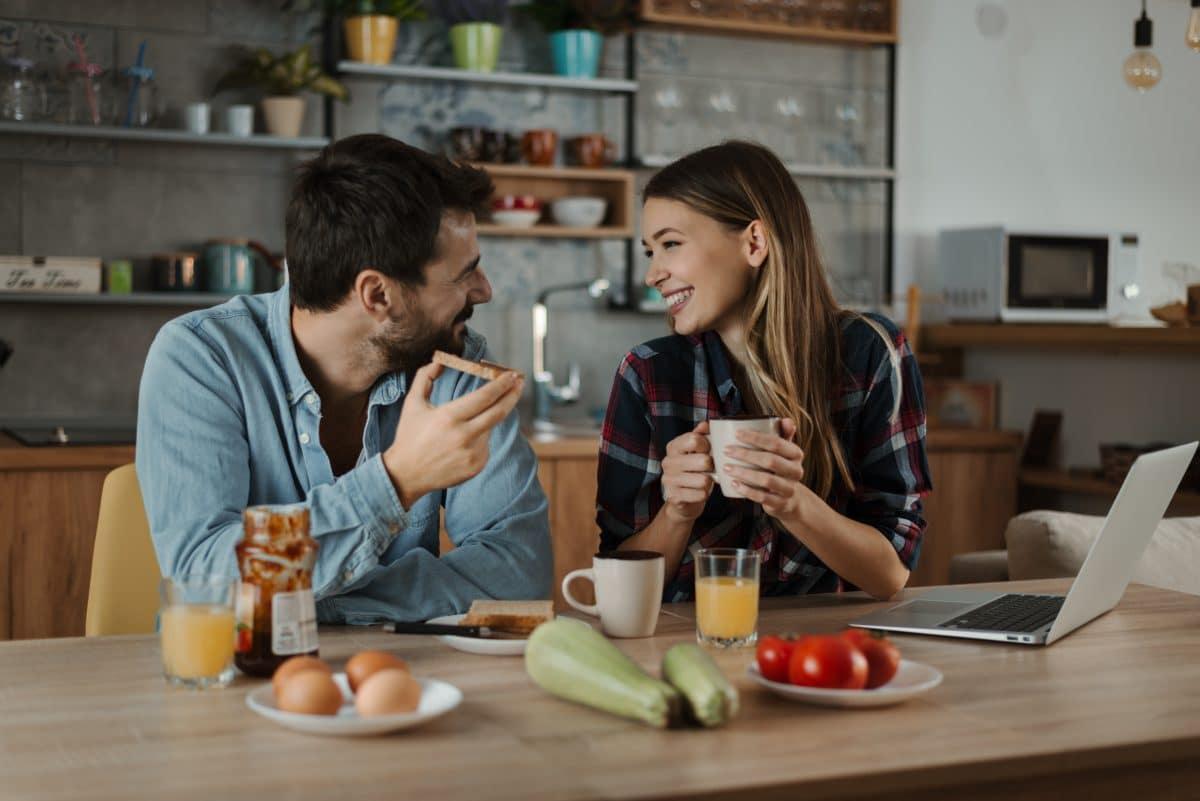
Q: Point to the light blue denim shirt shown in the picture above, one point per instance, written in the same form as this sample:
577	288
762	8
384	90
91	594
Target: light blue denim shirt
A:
227	419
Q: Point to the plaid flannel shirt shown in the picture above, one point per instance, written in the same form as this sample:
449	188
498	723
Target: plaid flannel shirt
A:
665	387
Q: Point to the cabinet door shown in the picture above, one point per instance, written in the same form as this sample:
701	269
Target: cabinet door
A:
573	525
53	528
974	496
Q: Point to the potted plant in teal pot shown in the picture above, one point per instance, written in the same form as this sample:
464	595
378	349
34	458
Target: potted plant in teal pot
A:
475	30
577	29
282	78
370	26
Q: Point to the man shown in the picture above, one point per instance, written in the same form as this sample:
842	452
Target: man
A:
323	393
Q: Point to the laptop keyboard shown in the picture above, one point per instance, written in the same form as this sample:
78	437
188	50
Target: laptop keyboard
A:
1012	612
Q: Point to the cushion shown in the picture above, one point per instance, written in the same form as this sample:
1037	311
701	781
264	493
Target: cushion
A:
977	567
1044	544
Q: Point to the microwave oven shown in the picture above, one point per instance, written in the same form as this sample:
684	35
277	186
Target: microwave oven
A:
1025	277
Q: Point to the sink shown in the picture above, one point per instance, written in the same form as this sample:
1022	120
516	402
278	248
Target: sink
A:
575	427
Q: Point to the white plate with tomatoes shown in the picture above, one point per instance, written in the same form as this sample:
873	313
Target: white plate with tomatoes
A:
911	679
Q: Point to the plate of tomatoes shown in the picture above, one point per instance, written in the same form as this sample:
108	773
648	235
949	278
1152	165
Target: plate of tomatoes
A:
856	668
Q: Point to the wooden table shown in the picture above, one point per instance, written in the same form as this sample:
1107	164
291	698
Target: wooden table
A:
1112	711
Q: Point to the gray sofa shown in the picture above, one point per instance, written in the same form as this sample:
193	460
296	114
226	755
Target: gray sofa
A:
1045	544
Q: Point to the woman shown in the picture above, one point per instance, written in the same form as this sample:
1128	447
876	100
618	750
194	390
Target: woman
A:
833	503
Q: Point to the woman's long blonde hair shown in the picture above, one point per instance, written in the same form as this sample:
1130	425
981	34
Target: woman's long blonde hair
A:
793	322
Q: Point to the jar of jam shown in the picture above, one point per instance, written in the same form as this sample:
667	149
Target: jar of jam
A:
276	614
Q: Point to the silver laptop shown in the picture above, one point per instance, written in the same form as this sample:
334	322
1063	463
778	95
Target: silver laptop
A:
1042	619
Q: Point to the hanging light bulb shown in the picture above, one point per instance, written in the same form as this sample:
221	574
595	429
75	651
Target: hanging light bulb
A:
1193	29
1142	69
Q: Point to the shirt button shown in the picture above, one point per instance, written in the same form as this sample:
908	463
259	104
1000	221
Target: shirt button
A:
304	439
289	396
394	527
347	575
310	399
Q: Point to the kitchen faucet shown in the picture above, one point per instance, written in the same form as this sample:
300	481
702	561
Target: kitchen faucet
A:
545	392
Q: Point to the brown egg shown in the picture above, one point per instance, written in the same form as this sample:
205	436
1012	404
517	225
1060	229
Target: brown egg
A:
310	692
364	663
293	666
388	692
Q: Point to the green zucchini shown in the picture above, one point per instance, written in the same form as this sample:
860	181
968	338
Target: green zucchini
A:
711	699
571	660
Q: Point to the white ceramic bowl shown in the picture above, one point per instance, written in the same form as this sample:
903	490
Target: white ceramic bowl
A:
579	212
516	218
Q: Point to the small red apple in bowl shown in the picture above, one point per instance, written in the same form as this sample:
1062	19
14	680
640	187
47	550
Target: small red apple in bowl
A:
516	211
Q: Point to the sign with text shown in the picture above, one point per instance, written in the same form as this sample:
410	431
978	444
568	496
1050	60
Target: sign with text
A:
61	274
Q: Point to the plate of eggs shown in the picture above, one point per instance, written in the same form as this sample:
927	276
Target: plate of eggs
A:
376	694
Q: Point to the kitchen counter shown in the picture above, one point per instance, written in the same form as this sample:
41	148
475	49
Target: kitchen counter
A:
15	456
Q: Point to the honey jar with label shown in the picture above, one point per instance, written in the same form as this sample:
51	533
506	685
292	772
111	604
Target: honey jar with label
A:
276	612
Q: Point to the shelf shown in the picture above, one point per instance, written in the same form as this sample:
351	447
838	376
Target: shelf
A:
1104	338
549	230
420	72
717	25
1092	482
551	183
804	170
161	135
193	299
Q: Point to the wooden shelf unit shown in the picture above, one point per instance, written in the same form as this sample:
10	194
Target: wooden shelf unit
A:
1094	483
550	183
176	136
654	14
1105	338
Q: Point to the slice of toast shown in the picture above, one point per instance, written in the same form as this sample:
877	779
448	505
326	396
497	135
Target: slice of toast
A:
520	617
483	369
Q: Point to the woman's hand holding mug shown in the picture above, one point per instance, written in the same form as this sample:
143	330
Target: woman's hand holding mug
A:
687	474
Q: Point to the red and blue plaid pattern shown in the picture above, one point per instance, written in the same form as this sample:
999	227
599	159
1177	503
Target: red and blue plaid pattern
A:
664	388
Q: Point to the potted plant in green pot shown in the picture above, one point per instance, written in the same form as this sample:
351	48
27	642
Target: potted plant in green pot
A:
475	30
282	78
577	29
370	26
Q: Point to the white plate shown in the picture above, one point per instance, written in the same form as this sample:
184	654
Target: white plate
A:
478	645
912	679
437	698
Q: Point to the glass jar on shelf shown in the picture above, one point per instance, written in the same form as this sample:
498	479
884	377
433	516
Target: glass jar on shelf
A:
22	94
89	95
138	102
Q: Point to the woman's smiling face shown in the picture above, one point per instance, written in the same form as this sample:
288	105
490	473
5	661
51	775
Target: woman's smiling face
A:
699	265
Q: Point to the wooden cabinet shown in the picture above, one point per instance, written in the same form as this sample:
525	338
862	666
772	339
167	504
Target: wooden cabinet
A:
49	502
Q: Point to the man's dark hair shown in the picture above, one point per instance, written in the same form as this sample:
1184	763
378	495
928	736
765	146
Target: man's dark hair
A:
371	201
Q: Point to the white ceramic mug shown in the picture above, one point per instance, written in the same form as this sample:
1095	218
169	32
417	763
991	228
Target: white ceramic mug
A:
239	120
723	433
629	587
196	116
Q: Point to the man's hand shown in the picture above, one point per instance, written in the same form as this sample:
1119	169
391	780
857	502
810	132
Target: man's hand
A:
686	476
441	446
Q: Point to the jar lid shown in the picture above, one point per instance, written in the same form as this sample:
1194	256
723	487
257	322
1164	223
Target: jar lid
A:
174	254
228	241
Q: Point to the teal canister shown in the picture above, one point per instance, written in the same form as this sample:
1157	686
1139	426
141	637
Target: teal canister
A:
229	266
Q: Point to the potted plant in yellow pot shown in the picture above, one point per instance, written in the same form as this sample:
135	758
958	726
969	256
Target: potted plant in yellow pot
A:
475	30
282	78
370	26
577	29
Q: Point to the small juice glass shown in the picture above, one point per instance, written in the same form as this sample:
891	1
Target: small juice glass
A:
197	629
727	597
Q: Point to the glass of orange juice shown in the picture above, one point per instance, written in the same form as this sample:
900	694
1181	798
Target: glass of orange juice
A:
196	624
727	597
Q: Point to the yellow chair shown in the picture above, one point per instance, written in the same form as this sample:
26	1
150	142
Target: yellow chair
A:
123	594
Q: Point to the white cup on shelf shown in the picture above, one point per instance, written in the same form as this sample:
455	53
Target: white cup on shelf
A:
239	120
196	117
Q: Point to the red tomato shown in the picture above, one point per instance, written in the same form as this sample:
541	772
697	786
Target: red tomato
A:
829	661
883	657
773	655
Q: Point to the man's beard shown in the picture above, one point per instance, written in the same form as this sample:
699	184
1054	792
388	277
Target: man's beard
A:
409	343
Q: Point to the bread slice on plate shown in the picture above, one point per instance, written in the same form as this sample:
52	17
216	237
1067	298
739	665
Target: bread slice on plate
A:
483	369
519	617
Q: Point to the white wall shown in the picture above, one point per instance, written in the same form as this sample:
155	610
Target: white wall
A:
1035	127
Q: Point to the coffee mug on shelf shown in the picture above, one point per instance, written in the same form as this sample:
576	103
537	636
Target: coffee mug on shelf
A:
723	433
629	587
539	146
590	150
